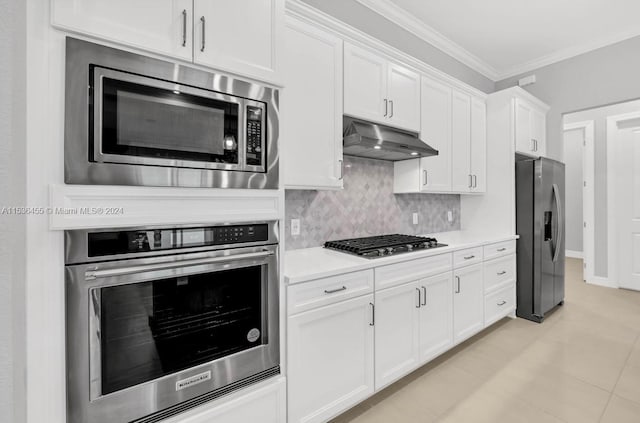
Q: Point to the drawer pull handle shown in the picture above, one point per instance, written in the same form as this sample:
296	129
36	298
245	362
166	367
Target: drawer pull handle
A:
333	291
502	249
501	303
502	273
469	257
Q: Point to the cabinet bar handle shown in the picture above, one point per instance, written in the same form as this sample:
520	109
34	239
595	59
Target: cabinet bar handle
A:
424	174
502	273
373	314
419	298
475	181
470	181
391	103
204	22
341	170
386	107
501	303
332	291
502	249
533	144
184	27
458	288
469	257
424	297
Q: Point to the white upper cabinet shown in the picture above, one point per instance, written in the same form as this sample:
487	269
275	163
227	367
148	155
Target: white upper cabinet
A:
311	106
365	84
159	26
478	145
240	36
462	180
380	91
403	94
530	124
436	131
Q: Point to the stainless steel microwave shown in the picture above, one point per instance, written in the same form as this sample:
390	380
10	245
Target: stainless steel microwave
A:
136	120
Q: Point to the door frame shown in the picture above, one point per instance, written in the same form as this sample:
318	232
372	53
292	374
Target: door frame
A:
588	199
612	225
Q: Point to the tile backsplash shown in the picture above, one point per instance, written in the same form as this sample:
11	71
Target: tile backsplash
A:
366	206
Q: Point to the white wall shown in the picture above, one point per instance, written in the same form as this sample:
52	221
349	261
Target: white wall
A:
573	145
599	116
360	17
12	192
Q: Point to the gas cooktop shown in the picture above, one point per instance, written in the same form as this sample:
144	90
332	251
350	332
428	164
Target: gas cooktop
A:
383	245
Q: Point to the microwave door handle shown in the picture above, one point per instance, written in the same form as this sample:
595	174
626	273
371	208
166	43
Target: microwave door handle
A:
121	271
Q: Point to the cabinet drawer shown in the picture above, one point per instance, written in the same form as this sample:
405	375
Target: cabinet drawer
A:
467	257
498	272
499	304
499	249
407	271
321	292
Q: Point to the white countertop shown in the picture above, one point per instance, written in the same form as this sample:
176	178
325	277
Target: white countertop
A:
313	263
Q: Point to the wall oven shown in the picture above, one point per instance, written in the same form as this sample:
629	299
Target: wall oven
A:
135	120
160	319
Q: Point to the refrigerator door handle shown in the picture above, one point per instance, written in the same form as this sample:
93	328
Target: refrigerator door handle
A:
560	217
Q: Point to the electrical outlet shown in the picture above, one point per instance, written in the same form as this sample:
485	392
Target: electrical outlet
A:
295	227
415	218
450	216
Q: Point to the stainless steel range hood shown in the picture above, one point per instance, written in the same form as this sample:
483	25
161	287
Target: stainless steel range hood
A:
365	139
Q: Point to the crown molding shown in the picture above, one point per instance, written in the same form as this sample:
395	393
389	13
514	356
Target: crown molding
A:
404	19
567	53
407	21
300	10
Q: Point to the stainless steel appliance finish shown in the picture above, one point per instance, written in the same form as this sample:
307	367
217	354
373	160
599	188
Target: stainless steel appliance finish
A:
540	222
367	139
383	245
89	65
102	262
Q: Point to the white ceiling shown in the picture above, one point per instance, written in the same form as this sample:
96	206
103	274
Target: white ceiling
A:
502	38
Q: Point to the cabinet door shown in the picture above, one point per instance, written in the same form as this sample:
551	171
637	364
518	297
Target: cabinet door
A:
312	104
436	316
461	142
397	332
468	302
404	97
524	144
160	26
436	131
330	359
479	144
365	84
539	132
240	36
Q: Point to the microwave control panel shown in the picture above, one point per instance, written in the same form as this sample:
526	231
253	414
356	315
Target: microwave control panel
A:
255	135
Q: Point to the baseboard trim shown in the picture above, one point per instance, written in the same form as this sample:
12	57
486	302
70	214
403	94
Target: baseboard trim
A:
600	281
574	254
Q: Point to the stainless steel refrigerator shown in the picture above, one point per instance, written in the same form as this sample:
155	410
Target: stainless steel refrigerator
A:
540	222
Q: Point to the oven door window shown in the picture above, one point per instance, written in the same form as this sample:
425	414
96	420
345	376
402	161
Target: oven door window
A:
151	122
156	328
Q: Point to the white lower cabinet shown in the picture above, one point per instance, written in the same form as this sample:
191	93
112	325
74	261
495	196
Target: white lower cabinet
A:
468	302
264	403
397	332
436	316
330	359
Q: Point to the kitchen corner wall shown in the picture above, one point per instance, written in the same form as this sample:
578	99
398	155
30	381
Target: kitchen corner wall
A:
366	206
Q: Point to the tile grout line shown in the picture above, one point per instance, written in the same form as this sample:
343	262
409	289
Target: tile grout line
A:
611	394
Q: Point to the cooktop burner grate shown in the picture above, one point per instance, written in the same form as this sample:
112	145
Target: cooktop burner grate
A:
383	245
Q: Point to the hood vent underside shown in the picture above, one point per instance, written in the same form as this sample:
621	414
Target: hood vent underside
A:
374	141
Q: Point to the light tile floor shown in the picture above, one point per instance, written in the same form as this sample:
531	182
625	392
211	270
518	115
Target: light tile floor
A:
581	365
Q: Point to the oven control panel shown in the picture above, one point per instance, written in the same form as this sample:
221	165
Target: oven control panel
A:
255	132
146	240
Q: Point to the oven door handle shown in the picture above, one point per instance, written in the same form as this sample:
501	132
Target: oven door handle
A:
120	271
